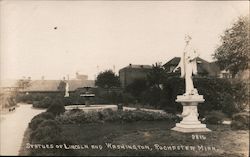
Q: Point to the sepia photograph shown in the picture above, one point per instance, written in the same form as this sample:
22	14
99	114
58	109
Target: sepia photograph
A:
124	78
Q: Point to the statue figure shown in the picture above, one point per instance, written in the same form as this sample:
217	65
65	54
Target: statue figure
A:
188	66
66	90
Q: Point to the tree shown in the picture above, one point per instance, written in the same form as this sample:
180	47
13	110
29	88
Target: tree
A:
233	53
137	87
156	76
107	79
23	83
61	86
56	107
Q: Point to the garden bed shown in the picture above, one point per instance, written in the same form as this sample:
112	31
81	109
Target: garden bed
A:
129	133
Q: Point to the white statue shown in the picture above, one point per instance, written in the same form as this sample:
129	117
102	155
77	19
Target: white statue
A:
188	66
66	90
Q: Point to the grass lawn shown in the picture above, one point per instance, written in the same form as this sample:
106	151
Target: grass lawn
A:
150	137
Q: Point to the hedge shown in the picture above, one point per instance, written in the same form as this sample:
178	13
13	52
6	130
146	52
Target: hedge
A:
45	130
109	115
219	94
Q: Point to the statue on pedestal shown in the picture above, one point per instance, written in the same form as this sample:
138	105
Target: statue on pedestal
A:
190	99
188	66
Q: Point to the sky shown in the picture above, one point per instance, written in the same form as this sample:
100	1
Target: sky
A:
59	38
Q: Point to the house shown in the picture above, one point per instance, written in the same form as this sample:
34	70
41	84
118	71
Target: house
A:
132	72
204	67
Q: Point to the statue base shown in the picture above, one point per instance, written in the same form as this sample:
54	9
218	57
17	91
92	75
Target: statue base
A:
190	122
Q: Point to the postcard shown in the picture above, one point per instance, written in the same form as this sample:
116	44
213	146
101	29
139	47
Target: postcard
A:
124	78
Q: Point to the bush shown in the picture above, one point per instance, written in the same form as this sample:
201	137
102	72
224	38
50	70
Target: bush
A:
240	121
40	118
111	116
215	117
47	132
127	98
57	107
219	94
152	96
44	103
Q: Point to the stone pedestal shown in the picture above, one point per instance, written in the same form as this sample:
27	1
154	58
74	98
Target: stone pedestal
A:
190	122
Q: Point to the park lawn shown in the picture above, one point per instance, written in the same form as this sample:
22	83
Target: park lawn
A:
225	141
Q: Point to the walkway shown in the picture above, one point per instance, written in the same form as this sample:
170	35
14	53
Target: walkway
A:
12	127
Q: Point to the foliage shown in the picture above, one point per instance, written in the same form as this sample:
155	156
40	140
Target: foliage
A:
156	76
215	117
240	121
44	103
137	87
34	123
23	83
112	97
233	53
110	115
152	96
107	79
7	99
127	98
31	97
57	107
216	92
46	131
49	132
61	86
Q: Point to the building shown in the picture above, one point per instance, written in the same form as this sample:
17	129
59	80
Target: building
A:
132	72
52	86
204	67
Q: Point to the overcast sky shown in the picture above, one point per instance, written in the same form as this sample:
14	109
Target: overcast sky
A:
56	38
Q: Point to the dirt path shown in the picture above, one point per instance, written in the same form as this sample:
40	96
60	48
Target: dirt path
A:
12	128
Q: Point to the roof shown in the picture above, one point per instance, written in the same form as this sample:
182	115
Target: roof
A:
51	85
137	66
175	61
203	65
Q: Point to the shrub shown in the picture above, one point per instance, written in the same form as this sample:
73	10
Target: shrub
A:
57	107
127	98
111	116
40	118
11	101
219	94
46	132
240	121
215	117
44	103
154	96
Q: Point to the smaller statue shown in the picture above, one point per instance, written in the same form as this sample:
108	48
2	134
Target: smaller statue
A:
188	66
66	90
